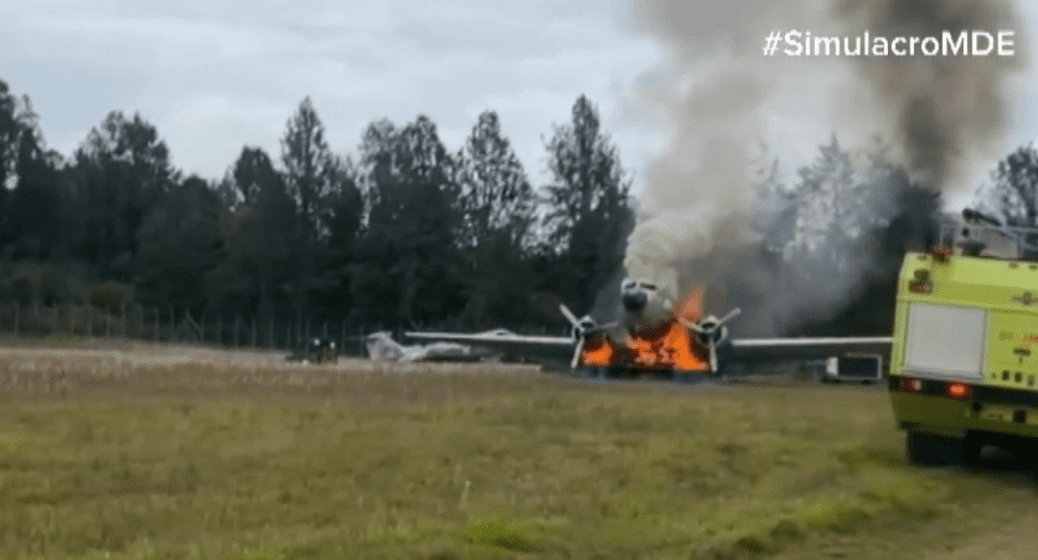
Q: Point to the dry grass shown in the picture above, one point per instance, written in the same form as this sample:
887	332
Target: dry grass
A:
102	456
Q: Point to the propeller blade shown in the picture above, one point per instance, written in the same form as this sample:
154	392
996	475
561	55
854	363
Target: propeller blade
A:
576	354
600	328
695	327
569	315
731	315
713	356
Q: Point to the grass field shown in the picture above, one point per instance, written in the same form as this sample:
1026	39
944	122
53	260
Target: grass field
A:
150	453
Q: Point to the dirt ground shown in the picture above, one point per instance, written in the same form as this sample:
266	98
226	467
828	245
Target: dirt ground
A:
1013	542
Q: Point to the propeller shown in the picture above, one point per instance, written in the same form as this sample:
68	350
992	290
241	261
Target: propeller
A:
585	325
581	329
570	317
711	332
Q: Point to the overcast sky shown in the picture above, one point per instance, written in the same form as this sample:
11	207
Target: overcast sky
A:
214	75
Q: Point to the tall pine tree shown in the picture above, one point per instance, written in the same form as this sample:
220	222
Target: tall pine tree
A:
589	207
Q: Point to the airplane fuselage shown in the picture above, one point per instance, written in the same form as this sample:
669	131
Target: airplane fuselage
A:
645	306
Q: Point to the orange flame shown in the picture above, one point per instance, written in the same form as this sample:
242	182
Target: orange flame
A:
691	307
668	346
598	352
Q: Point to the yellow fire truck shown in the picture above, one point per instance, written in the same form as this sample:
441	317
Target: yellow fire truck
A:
964	361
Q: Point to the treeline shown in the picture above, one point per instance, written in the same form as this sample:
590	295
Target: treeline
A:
402	233
405	233
834	239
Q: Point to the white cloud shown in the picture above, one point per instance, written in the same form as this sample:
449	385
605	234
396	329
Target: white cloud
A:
213	76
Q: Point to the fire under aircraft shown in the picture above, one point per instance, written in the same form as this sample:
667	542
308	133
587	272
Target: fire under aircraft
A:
654	335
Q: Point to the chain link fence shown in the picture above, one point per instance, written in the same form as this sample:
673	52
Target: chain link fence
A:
134	322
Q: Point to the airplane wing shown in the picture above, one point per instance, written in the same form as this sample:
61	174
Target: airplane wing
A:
560	347
439	352
752	349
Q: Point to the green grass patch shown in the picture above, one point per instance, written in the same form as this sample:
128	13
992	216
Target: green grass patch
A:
444	466
499	533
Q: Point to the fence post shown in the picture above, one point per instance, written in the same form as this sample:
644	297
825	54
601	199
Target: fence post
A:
202	334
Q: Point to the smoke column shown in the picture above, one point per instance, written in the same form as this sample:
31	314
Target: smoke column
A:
948	110
716	92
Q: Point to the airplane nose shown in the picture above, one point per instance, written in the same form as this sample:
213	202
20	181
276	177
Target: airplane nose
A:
634	301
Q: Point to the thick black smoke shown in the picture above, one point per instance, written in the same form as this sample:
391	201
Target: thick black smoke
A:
715	93
948	109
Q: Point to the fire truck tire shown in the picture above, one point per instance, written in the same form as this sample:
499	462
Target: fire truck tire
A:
928	449
971	447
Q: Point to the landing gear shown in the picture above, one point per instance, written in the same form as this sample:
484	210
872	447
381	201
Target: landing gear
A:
599	373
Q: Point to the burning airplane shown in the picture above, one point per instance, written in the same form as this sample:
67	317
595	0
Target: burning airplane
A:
652	334
656	334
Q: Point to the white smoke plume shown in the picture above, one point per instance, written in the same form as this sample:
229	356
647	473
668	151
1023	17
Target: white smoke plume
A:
719	96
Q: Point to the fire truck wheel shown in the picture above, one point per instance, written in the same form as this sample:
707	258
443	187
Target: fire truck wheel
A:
928	449
971	447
